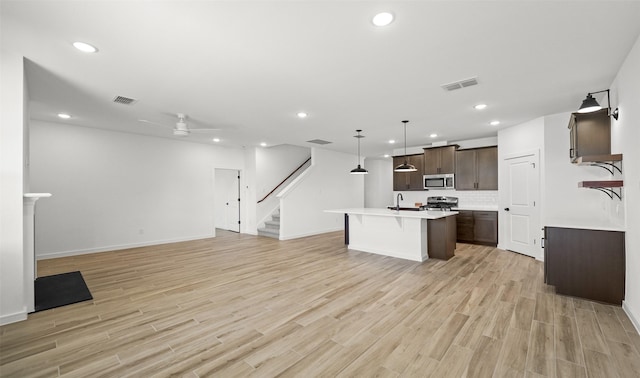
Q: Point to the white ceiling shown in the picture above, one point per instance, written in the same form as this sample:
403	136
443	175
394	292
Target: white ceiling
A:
249	67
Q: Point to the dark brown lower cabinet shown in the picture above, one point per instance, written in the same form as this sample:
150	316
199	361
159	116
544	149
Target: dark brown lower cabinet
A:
585	263
441	237
477	227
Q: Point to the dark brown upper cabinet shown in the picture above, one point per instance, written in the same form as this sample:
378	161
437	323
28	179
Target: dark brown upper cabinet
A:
408	180
589	134
477	169
440	160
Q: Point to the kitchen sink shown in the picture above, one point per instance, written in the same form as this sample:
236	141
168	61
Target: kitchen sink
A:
405	208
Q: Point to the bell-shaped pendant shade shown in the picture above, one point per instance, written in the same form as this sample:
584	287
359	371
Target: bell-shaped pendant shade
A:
405	167
589	105
359	170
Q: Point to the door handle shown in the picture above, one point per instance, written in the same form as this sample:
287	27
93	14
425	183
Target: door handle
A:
506	209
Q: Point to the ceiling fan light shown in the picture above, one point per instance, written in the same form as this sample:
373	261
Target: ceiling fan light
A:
182	133
589	104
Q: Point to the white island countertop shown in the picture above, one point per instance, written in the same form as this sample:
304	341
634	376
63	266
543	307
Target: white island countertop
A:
424	214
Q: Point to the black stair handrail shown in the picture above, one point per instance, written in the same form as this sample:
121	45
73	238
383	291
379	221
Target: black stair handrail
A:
283	181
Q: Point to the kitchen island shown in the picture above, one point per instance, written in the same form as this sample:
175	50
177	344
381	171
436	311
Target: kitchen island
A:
405	234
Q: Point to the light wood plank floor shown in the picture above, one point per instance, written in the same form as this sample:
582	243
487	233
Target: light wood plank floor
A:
239	305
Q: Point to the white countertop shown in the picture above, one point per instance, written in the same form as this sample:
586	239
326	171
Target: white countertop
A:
588	224
393	213
477	207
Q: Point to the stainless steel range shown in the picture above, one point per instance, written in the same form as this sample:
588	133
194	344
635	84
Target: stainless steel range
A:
441	203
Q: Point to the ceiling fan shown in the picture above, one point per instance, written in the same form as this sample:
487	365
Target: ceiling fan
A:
181	128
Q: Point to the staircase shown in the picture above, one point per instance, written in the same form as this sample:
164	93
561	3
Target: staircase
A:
271	227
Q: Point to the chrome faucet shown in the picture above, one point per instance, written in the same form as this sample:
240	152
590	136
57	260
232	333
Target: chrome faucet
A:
398	198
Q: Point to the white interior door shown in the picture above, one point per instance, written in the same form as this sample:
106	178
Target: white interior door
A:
227	199
521	212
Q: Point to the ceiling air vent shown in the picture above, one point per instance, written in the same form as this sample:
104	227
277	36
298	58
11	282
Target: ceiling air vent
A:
124	100
318	141
460	84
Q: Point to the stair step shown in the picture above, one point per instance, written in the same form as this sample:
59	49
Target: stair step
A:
269	233
273	224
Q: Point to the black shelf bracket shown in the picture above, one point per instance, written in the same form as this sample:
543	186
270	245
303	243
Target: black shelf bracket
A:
606	165
610	192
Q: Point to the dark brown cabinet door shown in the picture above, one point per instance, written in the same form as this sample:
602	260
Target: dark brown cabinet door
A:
440	160
408	180
431	161
400	179
477	169
590	134
465	169
586	263
487	168
448	159
415	178
464	222
485	227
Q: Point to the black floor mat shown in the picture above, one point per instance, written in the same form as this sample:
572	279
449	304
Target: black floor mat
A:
60	290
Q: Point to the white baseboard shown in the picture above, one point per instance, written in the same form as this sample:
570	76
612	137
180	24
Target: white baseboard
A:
297	236
12	318
632	317
77	252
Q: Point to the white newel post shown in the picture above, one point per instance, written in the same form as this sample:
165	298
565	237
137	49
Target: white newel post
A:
30	267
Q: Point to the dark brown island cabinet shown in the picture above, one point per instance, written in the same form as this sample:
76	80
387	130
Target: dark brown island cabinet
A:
440	160
441	237
585	263
589	134
477	169
477	227
409	180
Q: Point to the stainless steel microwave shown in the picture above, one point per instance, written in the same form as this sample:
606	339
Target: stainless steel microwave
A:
446	181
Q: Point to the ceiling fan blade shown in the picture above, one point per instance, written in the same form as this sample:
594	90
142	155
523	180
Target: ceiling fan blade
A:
204	130
154	123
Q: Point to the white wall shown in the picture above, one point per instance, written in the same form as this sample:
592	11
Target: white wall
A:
327	184
378	184
626	140
12	122
114	190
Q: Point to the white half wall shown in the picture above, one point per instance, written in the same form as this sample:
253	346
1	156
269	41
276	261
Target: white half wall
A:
114	190
12	125
327	184
625	139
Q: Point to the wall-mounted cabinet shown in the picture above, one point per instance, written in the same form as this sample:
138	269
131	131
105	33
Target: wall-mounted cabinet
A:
589	134
477	169
408	180
440	160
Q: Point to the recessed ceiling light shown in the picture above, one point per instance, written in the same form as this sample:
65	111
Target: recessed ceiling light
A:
391	141
382	19
386	155
64	115
263	144
433	135
85	47
480	106
495	123
216	140
302	115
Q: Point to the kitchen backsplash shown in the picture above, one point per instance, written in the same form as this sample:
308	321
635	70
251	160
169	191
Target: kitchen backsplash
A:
465	197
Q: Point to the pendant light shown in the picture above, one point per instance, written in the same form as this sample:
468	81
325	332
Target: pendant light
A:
589	104
405	167
359	170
